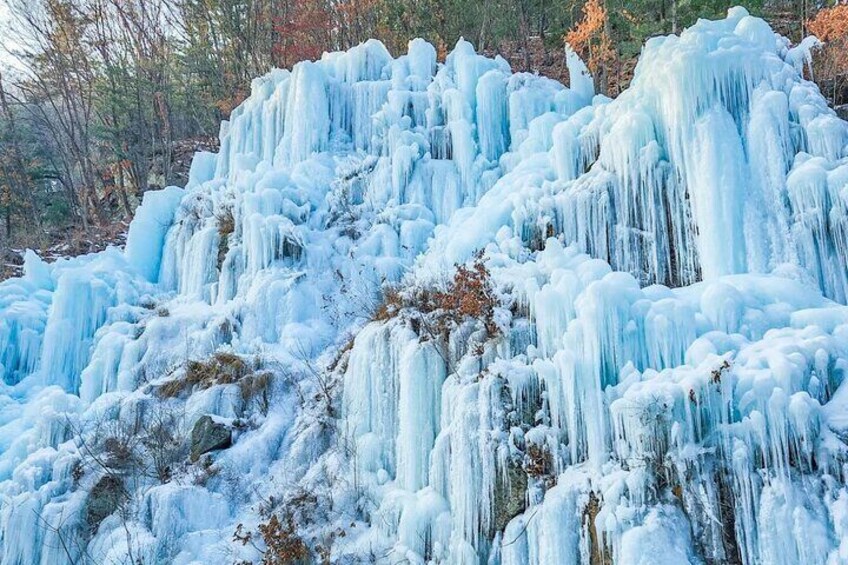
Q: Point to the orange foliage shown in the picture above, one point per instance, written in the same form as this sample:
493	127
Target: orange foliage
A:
831	23
589	38
589	28
831	63
283	545
469	295
304	32
228	104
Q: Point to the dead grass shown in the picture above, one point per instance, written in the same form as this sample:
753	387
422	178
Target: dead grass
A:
280	541
254	384
469	295
391	305
538	461
257	386
226	227
221	368
340	360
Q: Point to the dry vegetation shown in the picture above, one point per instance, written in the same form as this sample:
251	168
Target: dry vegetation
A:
59	243
277	538
591	40
831	62
283	545
469	295
538	461
226	227
220	368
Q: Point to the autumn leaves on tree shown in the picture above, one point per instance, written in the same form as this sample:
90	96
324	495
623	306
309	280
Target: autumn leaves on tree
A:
831	62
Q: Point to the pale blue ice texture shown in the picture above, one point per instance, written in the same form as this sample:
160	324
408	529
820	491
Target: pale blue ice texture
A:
676	265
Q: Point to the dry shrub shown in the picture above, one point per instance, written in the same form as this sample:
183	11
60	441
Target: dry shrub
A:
148	447
119	451
831	26
221	368
469	295
472	295
279	534
282	541
226	222
390	306
226	226
282	544
257	385
538	461
163	444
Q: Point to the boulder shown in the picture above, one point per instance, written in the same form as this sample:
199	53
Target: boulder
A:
104	498
509	497
208	435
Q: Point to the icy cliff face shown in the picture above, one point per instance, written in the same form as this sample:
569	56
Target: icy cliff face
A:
447	313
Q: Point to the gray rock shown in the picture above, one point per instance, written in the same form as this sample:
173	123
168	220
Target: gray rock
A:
104	499
509	496
842	111
208	435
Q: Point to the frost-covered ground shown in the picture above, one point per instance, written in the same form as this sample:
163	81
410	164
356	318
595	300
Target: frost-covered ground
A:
447	313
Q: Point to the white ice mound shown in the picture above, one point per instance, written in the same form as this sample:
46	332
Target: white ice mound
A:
609	417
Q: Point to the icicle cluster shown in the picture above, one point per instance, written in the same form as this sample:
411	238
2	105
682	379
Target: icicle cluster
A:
666	269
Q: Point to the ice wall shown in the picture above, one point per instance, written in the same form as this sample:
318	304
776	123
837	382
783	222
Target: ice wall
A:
330	180
644	424
688	420
719	159
662	375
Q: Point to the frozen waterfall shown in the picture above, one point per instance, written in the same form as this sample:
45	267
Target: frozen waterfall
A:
659	377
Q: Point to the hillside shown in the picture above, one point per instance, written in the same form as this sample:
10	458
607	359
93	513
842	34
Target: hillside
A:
421	312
